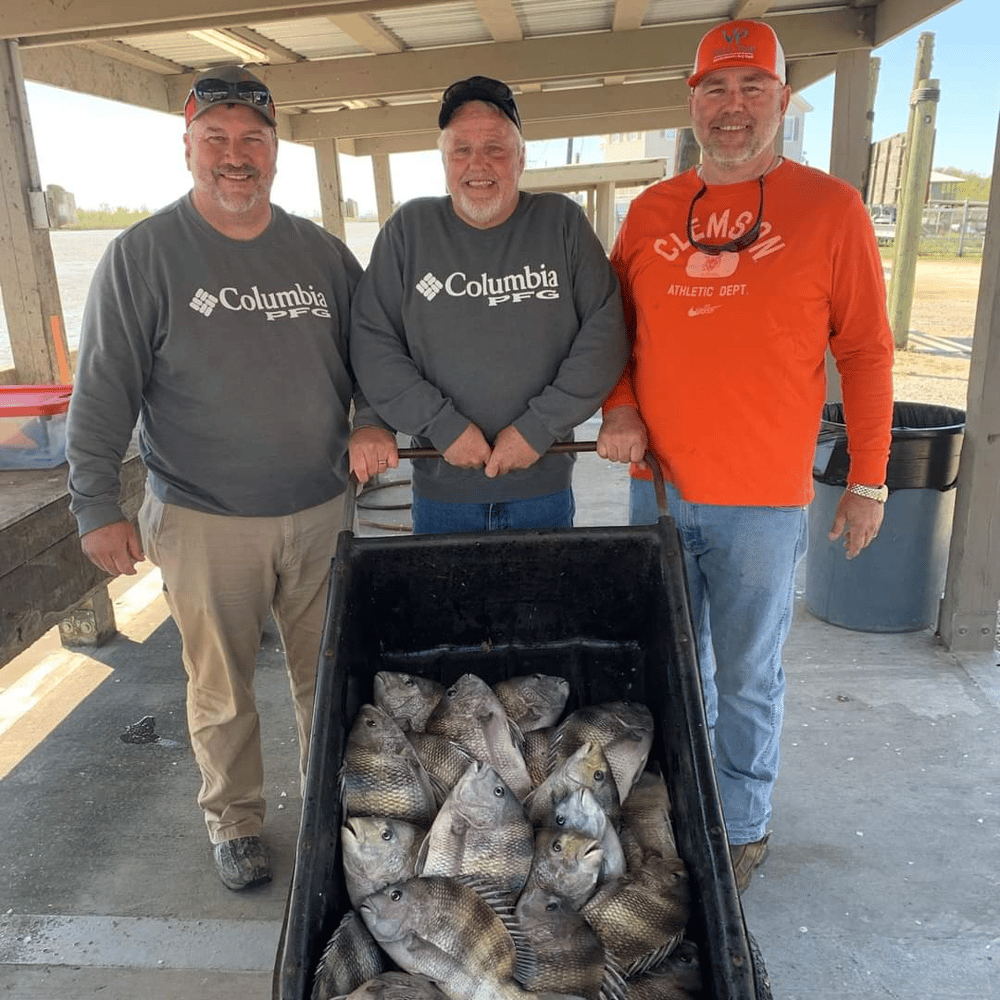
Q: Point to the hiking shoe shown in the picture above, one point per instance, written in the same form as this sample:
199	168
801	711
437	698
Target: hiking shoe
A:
241	863
747	858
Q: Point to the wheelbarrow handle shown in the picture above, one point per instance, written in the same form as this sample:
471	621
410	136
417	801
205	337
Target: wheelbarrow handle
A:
559	448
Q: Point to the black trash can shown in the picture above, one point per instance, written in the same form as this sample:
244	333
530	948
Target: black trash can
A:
894	585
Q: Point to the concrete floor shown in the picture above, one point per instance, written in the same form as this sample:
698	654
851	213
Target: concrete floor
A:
883	878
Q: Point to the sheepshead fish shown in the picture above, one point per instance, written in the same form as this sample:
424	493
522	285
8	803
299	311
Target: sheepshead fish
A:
481	831
377	851
624	730
566	865
350	957
407	698
471	714
580	811
443	759
381	774
398	986
566	953
646	828
536	754
533	701
586	767
677	978
640	916
439	928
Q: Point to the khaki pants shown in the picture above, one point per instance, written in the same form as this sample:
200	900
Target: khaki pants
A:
222	575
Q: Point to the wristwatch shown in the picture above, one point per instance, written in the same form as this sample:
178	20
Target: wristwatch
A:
879	493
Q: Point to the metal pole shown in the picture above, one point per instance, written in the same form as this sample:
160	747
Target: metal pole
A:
965	222
908	218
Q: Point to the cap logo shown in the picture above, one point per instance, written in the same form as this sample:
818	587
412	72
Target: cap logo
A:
735	37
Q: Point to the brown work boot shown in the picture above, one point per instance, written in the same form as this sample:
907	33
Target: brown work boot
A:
747	858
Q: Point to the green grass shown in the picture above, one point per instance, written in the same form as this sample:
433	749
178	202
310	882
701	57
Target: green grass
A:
106	217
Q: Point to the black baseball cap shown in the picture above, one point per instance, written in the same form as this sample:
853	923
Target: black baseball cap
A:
228	85
478	88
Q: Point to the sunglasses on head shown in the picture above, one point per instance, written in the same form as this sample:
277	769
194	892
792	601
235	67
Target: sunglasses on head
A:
214	91
732	246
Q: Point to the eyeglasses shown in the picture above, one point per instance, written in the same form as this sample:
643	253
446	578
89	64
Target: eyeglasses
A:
733	246
213	91
478	88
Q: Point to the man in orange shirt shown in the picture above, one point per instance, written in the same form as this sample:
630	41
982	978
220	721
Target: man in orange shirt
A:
736	278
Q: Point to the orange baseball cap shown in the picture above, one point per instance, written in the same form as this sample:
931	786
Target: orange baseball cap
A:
739	43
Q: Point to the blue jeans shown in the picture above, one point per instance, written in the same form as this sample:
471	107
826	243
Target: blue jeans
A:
740	564
433	517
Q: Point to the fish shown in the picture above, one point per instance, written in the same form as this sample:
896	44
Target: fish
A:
587	767
641	915
471	714
536	754
437	927
533	701
579	810
624	731
378	850
350	957
407	698
381	774
677	978
398	986
443	759
566	864
566	953
481	831
646	827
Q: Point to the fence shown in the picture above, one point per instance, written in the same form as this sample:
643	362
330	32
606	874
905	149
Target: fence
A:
947	228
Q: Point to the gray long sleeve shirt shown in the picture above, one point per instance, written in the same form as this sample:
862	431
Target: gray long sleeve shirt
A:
520	324
233	356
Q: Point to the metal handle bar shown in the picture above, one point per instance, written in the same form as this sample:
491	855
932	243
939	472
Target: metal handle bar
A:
559	448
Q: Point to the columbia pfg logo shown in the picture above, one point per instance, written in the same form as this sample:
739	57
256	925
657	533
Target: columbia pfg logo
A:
429	286
203	302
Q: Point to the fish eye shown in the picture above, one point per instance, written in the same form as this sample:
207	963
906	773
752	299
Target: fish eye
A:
409	681
498	791
557	844
560	819
396	895
599	775
370	723
451	692
550	907
386	833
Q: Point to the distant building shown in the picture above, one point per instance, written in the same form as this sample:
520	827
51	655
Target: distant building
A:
665	144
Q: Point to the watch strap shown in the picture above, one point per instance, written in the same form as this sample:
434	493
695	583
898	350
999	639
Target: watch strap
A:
879	493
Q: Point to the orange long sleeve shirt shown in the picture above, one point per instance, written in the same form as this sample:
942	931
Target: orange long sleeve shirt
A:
728	362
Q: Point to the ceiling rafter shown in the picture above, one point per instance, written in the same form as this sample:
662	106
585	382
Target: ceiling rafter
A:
366	31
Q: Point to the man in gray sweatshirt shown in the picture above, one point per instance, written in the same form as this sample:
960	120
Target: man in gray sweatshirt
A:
220	324
487	326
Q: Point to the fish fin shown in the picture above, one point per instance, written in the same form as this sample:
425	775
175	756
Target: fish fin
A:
495	894
614	985
439	789
516	736
525	956
421	858
653	958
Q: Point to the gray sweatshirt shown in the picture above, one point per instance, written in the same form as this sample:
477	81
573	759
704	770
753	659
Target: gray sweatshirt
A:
233	356
518	324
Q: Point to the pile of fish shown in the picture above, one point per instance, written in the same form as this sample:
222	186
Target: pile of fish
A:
493	852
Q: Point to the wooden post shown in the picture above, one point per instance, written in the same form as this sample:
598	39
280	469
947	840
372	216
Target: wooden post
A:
331	197
688	151
605	223
968	619
910	212
27	273
383	186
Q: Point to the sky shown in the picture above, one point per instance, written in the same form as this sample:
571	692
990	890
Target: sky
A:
107	153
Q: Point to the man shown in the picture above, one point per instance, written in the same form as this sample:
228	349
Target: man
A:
488	325
736	277
222	322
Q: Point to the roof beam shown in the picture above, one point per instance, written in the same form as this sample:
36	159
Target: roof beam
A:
366	31
629	14
67	23
500	19
660	50
746	9
893	17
